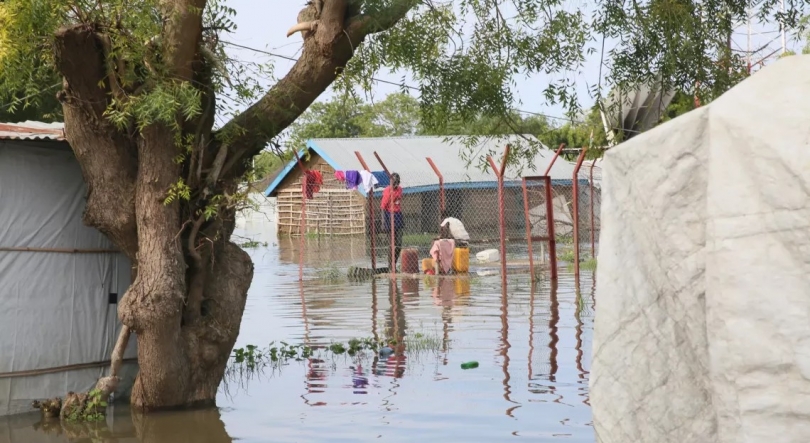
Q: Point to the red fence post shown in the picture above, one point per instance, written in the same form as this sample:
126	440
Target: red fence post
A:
576	209
303	229
501	207
552	239
391	227
528	230
554	159
373	223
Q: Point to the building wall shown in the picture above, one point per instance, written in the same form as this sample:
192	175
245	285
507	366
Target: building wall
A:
334	210
56	280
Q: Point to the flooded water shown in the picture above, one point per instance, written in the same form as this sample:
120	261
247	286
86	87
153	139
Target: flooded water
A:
532	344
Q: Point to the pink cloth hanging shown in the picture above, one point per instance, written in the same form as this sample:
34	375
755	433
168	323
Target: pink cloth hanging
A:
340	176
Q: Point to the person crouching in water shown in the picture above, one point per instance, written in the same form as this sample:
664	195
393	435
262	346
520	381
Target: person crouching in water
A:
452	227
392	203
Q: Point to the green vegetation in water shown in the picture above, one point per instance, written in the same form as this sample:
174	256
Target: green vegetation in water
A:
588	265
329	273
251	357
566	255
89	409
252	244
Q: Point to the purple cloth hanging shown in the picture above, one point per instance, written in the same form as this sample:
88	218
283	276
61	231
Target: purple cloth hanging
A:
353	179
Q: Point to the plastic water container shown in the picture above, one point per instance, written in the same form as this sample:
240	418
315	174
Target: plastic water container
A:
427	264
410	261
461	260
488	256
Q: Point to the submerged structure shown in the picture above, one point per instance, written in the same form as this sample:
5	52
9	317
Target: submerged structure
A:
704	272
60	281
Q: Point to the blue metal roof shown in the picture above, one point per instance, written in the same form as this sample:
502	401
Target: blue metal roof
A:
406	155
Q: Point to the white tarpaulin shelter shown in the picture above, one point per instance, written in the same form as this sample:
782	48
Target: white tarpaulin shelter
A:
703	328
58	281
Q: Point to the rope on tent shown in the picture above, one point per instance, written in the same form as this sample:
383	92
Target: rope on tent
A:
75	367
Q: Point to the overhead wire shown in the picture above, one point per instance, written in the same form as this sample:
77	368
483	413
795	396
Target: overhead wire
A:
388	82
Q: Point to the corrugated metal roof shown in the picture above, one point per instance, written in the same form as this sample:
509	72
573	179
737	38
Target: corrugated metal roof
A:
31	130
408	157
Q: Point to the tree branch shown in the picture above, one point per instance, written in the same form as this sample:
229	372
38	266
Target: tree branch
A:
107	157
323	58
183	34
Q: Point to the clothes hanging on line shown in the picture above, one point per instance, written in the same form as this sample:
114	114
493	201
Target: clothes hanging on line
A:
382	179
369	180
340	176
314	182
353	179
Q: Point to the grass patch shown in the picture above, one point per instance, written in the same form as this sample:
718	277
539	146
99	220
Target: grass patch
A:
329	273
566	255
588	265
424	238
252	244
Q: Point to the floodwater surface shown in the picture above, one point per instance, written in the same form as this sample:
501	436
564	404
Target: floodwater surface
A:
532	344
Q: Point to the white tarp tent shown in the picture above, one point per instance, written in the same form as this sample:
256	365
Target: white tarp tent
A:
703	327
58	322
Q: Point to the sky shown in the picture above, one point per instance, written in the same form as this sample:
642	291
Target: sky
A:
263	25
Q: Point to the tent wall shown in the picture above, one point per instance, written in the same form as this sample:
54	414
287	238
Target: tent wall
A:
55	307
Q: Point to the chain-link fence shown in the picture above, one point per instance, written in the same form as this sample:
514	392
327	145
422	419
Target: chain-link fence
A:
341	205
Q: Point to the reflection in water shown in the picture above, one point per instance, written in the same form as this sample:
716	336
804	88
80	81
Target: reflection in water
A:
375	398
124	426
507	390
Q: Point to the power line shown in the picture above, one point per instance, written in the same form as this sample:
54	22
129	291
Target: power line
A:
379	80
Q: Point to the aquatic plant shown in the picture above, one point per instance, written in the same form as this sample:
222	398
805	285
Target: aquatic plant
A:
588	265
252	244
329	273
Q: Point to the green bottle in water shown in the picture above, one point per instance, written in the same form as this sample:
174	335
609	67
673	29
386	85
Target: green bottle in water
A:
469	365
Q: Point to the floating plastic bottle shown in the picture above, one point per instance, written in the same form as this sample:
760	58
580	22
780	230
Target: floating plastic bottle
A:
469	365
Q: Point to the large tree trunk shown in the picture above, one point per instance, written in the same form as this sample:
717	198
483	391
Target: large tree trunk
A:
185	305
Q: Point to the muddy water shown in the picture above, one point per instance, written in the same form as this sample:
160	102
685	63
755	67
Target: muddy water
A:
533	348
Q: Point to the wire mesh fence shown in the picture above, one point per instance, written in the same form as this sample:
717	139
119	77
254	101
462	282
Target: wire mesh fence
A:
323	203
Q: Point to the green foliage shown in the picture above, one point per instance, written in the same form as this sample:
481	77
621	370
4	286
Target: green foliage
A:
681	45
178	191
90	410
329	273
252	244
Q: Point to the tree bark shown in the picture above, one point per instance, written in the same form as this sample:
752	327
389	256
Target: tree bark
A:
186	302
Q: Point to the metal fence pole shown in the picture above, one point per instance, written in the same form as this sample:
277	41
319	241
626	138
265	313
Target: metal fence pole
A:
576	209
554	159
528	229
552	239
393	268
303	230
499	171
373	220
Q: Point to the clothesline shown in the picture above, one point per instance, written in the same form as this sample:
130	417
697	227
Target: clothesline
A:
368	180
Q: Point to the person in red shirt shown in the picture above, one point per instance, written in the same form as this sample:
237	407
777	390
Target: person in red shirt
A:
392	203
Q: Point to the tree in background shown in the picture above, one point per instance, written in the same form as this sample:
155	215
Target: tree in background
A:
142	86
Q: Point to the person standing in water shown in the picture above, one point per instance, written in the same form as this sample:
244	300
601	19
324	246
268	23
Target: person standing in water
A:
391	203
